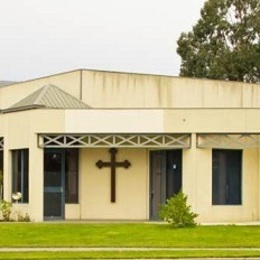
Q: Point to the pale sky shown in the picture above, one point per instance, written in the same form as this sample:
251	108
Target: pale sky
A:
43	37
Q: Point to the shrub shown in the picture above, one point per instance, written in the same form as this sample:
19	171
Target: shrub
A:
23	218
6	210
177	212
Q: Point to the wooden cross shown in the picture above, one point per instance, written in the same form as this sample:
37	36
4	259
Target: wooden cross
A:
113	164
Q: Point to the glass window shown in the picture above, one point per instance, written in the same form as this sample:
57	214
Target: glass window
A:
226	177
71	175
1	160
20	169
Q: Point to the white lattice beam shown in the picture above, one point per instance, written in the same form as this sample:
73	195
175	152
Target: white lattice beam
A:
228	141
1	143
118	140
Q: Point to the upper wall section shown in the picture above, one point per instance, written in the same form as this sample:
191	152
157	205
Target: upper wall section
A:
100	89
109	89
68	82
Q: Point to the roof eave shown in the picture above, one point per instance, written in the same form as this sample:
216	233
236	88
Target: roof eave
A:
23	108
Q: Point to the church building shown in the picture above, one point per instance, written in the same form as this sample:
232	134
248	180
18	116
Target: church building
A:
97	145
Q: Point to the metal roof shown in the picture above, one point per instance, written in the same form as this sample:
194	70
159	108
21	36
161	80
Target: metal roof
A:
49	96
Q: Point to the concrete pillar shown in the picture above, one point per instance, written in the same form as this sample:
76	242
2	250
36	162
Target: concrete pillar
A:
35	180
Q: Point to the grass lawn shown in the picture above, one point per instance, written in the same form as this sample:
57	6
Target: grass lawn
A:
128	235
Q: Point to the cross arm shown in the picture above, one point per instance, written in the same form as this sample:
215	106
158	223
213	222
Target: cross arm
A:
126	164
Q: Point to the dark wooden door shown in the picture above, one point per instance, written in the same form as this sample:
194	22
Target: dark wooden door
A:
157	181
165	178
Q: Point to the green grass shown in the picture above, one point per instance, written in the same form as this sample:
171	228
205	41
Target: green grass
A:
125	235
117	235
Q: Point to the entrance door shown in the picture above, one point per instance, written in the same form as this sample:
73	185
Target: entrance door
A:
165	177
54	184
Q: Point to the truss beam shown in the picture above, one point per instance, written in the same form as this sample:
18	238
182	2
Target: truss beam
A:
1	143
228	141
115	140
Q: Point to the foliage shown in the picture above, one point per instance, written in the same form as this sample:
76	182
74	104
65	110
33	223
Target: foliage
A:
177	212
23	218
224	43
6	210
7	213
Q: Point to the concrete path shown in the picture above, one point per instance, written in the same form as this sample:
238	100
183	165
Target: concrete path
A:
120	249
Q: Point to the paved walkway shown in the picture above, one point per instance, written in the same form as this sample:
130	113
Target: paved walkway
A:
121	249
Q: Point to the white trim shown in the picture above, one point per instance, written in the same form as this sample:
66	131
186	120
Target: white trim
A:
1	143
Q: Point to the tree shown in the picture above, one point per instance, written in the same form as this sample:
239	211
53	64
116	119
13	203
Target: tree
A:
225	42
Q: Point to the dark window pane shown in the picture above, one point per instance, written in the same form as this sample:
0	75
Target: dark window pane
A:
173	172
20	173
52	202
226	177
53	169
54	183
1	161
25	173
71	176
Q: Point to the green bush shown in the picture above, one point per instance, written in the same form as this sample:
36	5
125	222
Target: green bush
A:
23	218
177	212
6	210
7	213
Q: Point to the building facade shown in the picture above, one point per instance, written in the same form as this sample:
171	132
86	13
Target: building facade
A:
95	145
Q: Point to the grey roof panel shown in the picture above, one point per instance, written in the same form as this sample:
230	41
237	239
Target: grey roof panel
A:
49	96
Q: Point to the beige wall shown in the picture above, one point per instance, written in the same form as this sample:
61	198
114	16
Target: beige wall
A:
20	131
131	190
201	191
111	89
133	187
114	121
69	82
102	89
162	121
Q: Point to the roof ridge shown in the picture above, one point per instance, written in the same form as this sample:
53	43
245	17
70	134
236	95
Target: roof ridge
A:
42	93
48	96
67	94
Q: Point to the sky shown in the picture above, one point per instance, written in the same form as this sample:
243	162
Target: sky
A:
44	37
